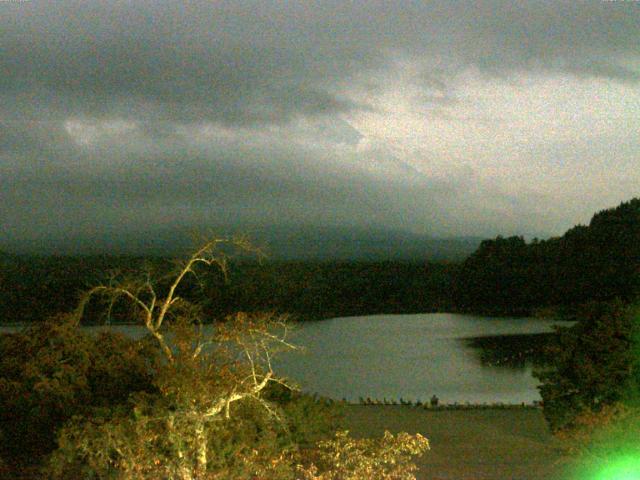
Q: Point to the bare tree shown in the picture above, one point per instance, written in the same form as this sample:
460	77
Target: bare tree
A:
205	373
206	369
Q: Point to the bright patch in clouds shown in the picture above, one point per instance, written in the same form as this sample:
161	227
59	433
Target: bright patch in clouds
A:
91	132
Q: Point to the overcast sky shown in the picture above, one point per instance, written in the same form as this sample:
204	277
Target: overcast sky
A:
442	118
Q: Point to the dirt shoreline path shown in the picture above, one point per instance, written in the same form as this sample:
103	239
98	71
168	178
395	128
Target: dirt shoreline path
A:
488	444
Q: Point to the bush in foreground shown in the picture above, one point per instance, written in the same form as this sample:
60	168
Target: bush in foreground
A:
594	364
345	458
53	371
603	444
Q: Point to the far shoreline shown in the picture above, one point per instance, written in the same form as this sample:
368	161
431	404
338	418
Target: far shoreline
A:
298	318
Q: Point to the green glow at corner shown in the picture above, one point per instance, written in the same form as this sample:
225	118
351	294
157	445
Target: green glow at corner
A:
624	468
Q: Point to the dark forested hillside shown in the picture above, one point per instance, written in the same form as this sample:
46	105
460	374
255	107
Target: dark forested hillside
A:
597	262
331	289
36	287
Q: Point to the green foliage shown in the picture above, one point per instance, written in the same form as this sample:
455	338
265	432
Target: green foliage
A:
604	445
53	371
345	458
594	364
307	419
157	439
154	439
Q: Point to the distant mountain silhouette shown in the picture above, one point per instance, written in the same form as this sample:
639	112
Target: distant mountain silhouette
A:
345	243
294	242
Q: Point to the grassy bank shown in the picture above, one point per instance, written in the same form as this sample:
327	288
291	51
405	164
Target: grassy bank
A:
491	444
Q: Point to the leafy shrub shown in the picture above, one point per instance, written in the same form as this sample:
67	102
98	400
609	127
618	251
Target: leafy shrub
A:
53	371
155	440
594	364
601	443
345	458
306	419
173	433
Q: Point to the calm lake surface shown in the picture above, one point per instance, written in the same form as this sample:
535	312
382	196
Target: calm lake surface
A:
408	356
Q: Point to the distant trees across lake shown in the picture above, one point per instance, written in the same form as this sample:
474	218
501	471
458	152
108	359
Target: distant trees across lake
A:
35	287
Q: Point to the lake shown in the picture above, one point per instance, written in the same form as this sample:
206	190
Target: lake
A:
408	356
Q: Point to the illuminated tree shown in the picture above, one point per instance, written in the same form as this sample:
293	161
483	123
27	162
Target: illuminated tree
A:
203	373
214	415
387	458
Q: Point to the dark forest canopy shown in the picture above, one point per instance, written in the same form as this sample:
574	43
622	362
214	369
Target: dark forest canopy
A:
37	286
597	262
504	276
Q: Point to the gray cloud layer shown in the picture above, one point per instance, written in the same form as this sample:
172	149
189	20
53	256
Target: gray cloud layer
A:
244	62
123	113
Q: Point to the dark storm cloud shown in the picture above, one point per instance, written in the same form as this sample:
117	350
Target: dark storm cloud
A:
76	193
102	103
582	38
184	63
248	62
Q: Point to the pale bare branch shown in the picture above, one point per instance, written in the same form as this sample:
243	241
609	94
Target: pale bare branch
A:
251	334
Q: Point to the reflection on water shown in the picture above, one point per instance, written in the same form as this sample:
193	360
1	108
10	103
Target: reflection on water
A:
459	358
512	351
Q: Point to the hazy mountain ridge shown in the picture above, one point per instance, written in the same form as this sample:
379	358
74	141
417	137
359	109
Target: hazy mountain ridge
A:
297	242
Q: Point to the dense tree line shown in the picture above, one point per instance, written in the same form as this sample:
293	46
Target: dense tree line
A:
598	262
331	289
595	363
591	391
33	287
